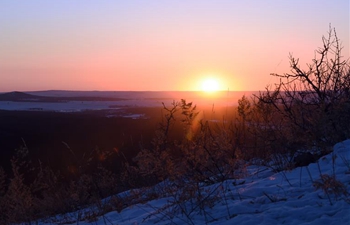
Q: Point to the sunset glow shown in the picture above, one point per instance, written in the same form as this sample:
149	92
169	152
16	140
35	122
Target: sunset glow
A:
158	46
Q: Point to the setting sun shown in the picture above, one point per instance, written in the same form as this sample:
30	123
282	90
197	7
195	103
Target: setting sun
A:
210	85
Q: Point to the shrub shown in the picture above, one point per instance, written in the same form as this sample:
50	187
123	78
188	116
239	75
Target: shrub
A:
331	186
308	110
205	154
315	101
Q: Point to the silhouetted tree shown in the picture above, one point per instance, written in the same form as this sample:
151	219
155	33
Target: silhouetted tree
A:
314	103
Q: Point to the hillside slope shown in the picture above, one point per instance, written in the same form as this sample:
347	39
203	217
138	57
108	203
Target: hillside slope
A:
262	197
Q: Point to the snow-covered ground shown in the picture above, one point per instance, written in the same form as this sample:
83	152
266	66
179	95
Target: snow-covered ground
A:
262	197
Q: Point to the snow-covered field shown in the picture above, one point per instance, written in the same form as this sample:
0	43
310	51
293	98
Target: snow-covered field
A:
128	99
262	197
74	106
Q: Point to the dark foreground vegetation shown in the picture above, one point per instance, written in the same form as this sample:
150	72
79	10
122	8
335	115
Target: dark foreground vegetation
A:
57	138
288	125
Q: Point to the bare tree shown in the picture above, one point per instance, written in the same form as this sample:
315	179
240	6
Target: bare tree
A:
314	103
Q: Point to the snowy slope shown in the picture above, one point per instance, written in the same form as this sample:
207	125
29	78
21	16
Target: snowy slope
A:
263	197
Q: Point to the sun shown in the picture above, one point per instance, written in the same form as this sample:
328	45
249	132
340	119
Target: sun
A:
210	85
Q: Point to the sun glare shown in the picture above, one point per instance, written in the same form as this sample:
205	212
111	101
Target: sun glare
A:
210	85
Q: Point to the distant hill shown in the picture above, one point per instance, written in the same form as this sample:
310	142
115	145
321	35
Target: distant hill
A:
17	96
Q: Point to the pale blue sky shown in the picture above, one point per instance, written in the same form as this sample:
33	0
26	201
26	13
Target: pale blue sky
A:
159	45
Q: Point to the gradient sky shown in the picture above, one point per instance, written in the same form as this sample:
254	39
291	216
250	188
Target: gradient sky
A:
159	45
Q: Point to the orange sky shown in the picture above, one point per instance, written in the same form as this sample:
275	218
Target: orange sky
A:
159	46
